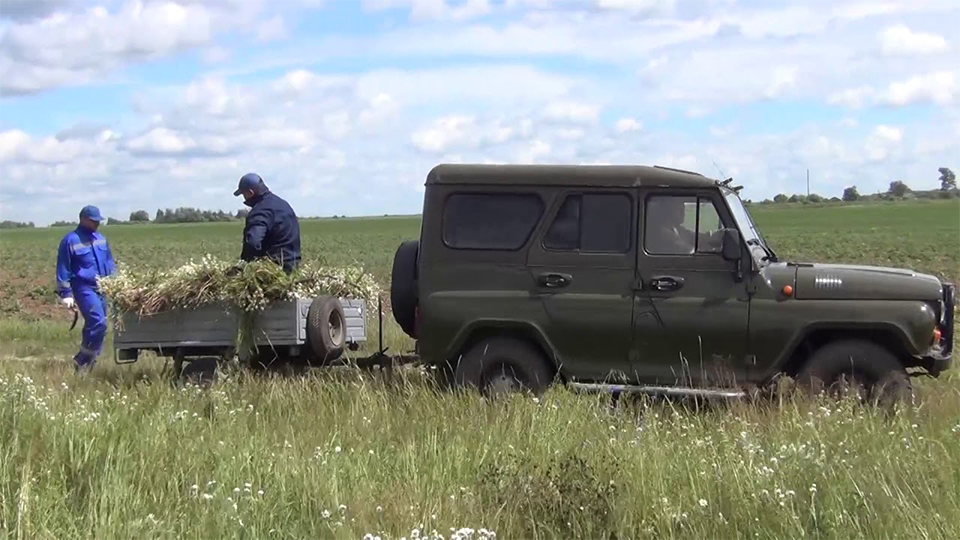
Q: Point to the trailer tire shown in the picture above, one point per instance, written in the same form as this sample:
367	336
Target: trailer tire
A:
326	329
403	285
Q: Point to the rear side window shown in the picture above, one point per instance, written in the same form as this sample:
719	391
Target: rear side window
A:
495	221
592	223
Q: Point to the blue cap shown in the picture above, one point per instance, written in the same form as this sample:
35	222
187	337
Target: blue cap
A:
91	212
248	181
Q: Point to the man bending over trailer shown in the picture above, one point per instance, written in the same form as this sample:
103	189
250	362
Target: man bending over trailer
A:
82	258
272	229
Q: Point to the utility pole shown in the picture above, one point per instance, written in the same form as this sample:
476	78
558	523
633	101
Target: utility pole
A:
808	183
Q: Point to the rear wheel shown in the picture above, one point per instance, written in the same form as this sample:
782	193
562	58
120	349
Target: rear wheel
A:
862	366
326	329
504	365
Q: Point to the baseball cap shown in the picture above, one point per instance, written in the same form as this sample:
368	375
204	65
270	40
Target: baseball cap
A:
248	181
91	212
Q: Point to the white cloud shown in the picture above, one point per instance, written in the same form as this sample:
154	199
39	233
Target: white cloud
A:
533	151
692	72
901	40
69	49
687	162
940	88
215	54
627	125
70	46
572	112
27	10
380	110
429	10
636	6
853	98
443	133
272	29
161	141
784	80
884	141
18	146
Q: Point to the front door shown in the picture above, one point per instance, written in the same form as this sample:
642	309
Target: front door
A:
582	267
691	311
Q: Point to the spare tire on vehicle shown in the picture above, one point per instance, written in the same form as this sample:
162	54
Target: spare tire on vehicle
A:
403	285
326	329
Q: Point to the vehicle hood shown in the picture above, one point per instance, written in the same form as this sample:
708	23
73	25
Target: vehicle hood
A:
855	282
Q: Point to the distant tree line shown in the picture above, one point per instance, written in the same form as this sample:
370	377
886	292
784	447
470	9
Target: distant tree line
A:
183	214
898	190
7	224
187	215
168	215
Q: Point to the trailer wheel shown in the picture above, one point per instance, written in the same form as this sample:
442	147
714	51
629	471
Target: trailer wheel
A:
326	329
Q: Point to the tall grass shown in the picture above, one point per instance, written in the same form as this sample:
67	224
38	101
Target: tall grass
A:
338	454
122	454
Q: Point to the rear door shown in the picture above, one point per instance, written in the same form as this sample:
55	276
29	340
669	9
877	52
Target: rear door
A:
690	324
582	266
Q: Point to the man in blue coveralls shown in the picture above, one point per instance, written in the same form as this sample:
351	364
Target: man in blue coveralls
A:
84	256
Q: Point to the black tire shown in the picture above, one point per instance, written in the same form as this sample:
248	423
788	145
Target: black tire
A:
500	365
403	285
877	372
326	329
200	371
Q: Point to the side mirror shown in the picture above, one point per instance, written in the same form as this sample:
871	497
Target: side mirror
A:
730	245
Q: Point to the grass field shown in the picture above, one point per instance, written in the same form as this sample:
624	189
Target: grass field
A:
122	453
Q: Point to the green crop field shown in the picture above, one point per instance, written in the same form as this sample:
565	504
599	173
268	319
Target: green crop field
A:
122	453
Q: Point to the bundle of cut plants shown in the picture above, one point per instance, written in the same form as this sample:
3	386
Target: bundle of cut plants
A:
247	286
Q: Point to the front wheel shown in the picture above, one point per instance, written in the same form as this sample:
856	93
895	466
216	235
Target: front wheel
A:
504	365
871	370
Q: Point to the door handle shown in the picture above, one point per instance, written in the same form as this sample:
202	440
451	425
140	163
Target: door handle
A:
666	283
552	280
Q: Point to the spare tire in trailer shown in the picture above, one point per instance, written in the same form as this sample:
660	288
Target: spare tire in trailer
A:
403	285
326	329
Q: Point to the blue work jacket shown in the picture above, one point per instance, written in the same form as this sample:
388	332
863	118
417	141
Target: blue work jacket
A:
83	256
271	230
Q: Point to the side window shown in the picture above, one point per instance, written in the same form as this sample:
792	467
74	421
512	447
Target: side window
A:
592	223
681	225
494	221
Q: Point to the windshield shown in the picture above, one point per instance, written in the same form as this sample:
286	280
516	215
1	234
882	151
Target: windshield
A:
749	230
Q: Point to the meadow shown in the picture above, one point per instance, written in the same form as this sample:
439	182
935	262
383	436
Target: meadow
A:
341	454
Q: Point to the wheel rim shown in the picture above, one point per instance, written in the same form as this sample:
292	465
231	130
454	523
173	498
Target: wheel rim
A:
847	384
500	382
335	328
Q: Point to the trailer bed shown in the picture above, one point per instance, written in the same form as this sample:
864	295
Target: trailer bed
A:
213	329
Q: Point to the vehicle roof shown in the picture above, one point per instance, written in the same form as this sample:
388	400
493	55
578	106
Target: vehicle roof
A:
566	175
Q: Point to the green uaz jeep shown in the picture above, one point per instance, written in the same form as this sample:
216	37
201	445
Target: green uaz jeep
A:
645	279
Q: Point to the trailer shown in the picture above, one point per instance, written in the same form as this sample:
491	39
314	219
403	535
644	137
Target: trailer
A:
313	331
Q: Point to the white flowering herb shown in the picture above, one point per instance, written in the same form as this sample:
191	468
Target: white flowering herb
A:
248	286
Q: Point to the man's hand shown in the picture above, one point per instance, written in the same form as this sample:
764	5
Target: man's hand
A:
67	302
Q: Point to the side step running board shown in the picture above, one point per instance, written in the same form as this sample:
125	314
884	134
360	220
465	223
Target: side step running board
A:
658	390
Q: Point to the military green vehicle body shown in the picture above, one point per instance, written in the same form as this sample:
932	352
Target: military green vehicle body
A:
574	261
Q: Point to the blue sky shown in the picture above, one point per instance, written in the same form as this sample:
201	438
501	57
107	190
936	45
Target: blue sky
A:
343	106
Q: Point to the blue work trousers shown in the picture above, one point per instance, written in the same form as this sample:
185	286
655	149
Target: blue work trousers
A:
93	307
